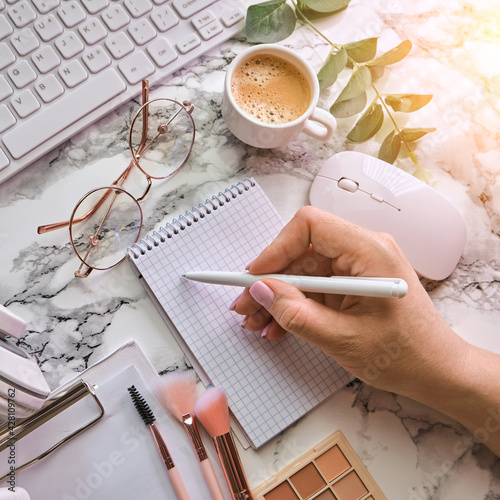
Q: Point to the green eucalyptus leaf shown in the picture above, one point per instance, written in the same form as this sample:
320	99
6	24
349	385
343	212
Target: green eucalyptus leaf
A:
363	50
414	134
407	103
333	66
327	6
392	56
349	107
368	125
390	148
269	22
358	83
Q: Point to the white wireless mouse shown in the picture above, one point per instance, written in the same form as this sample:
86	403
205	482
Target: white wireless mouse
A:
374	194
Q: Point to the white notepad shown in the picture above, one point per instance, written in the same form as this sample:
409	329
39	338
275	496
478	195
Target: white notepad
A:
270	384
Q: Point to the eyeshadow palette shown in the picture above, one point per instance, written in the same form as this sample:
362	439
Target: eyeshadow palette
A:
330	471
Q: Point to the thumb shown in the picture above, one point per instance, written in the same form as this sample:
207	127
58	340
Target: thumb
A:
297	314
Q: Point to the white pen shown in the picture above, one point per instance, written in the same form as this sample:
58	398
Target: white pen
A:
345	285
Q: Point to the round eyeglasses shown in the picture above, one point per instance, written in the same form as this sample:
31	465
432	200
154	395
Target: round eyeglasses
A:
108	220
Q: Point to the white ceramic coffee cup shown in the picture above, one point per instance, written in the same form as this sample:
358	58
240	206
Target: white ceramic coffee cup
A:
315	122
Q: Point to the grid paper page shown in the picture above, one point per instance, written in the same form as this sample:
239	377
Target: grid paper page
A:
270	384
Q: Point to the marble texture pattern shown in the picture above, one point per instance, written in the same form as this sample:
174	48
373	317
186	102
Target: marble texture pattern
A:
412	451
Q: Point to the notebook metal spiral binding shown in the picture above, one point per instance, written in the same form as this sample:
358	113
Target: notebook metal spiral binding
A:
55	405
177	225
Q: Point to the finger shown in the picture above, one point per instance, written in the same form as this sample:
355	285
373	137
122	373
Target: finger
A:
258	320
273	331
330	236
297	314
352	249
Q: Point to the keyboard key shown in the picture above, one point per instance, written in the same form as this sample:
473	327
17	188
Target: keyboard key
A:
4	161
44	6
50	121
232	17
188	9
5	89
48	28
202	19
25	103
72	74
7	57
95	6
119	45
96	59
210	30
69	45
115	17
21	74
162	52
7	119
188	43
138	8
45	59
136	67
142	32
71	14
22	14
24	42
92	31
5	28
164	19
49	88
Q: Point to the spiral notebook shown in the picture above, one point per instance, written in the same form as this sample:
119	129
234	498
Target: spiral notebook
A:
270	384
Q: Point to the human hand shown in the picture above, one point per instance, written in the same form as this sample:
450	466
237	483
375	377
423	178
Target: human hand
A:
390	343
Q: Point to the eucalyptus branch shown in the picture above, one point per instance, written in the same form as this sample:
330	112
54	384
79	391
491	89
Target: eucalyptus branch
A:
275	20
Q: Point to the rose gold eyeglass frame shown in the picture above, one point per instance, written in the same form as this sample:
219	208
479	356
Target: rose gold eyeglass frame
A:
116	187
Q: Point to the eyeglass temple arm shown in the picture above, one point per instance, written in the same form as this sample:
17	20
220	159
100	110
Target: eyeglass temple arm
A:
118	182
58	225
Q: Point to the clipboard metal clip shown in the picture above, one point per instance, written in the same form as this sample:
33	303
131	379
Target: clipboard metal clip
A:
54	405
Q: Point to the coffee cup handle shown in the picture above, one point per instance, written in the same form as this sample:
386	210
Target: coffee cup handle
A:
327	127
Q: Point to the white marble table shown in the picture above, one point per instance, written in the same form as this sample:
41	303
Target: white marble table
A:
412	451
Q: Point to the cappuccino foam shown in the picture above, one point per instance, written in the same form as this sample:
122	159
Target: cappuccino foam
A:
270	89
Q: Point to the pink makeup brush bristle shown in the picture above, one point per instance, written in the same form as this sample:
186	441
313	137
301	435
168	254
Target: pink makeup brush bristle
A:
212	411
179	393
179	396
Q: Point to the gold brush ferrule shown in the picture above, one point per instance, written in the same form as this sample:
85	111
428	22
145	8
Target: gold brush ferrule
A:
162	447
233	469
190	426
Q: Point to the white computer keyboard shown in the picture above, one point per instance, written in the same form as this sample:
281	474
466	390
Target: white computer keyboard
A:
66	63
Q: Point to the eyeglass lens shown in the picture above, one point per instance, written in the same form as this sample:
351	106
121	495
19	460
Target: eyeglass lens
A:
170	136
112	221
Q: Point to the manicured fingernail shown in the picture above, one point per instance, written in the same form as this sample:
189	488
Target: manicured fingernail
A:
243	324
249	264
266	329
262	294
234	302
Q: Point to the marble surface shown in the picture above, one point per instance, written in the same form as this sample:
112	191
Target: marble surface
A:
412	451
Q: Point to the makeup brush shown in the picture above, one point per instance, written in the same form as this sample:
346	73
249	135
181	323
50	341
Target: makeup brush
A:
213	412
179	396
149	419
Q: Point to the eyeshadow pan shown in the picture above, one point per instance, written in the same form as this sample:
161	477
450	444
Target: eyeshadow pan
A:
326	495
332	463
350	487
307	481
282	492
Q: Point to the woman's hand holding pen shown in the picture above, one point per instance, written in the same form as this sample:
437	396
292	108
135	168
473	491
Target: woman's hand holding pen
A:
400	345
353	330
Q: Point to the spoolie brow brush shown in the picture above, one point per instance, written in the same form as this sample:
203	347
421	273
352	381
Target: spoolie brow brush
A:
149	419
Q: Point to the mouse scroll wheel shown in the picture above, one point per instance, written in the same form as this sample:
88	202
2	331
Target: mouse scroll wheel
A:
348	185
